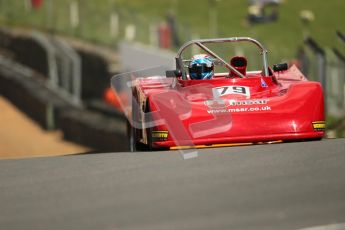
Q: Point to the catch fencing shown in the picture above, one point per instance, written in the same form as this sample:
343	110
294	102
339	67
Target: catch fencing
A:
106	22
328	67
110	23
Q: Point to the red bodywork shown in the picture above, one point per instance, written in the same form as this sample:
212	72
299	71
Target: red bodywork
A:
283	106
239	106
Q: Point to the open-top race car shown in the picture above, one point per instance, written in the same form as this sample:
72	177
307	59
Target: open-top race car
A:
196	106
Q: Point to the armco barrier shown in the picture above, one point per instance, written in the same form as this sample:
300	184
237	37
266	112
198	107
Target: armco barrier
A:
94	129
29	53
56	104
72	67
26	89
95	75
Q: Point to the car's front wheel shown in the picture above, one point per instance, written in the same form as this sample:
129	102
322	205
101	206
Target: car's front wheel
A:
133	132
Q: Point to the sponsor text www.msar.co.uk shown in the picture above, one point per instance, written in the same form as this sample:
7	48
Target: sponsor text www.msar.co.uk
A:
239	110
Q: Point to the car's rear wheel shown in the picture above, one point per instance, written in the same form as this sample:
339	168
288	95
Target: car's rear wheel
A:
133	132
131	137
134	144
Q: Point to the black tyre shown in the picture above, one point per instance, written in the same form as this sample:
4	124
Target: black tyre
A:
131	138
133	133
131	130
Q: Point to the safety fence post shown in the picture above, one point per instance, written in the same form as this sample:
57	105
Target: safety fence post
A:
341	72
64	68
320	66
51	60
72	78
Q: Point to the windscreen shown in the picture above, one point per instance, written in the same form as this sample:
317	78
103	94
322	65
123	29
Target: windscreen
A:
172	107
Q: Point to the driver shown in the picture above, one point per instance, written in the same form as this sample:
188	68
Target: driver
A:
201	67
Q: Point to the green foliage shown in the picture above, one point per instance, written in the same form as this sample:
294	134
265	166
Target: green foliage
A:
281	38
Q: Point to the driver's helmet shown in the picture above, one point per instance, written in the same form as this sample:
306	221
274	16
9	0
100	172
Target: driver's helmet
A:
201	67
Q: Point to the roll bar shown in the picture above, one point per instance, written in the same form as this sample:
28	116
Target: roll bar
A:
201	42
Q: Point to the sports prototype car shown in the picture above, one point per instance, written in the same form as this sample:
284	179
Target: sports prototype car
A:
195	105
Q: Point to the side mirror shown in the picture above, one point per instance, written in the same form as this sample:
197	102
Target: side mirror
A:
173	73
280	67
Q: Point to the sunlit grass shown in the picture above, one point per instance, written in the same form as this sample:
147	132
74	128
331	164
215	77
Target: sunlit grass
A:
282	38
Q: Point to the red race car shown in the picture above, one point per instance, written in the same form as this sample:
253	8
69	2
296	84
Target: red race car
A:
196	105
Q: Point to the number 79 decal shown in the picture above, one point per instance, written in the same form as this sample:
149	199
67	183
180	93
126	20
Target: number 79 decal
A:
225	90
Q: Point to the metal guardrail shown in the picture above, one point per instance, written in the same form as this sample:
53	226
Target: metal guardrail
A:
51	54
64	67
327	67
71	79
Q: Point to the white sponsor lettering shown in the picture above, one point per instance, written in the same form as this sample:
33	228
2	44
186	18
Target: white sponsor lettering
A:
239	110
220	103
249	102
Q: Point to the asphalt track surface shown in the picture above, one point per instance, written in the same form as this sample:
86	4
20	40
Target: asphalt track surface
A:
279	186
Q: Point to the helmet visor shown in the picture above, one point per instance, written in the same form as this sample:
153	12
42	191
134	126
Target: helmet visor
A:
199	71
